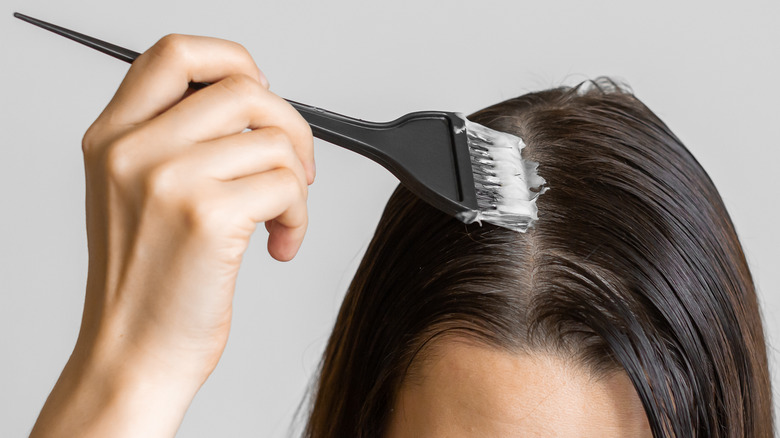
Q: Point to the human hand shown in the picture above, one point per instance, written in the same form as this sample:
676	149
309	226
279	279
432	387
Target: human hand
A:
175	189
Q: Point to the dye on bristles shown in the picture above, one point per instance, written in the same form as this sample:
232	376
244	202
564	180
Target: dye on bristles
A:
507	185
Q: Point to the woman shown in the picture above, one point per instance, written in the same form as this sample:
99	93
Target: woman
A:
628	310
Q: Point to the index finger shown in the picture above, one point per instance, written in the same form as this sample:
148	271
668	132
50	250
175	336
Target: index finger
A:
159	77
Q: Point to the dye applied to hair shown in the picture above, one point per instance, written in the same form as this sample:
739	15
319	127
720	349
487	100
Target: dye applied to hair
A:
507	185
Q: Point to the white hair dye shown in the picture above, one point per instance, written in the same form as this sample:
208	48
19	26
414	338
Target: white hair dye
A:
507	185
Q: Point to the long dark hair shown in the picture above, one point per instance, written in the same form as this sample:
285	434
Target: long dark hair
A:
633	265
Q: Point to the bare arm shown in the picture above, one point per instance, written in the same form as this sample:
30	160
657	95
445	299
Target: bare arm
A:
175	189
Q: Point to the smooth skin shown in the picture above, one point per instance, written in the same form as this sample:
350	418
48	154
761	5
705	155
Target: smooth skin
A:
176	183
175	189
465	390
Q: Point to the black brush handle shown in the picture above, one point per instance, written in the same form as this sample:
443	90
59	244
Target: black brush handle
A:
357	135
331	127
426	150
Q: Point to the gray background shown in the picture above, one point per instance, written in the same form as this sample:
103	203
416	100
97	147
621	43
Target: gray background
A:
708	69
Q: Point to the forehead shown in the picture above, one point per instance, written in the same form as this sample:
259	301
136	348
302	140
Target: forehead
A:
465	390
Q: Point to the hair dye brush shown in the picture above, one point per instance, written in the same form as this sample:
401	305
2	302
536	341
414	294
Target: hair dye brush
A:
462	168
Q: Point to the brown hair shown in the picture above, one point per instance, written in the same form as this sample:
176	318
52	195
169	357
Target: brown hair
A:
633	265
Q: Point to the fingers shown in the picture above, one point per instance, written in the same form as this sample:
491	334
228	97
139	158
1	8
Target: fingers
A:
230	106
160	145
159	77
284	242
256	176
153	89
216	210
276	196
241	155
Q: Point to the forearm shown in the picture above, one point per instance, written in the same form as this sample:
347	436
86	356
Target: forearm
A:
114	398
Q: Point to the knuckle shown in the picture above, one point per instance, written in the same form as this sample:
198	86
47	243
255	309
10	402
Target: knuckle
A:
279	140
163	181
173	45
292	182
288	178
243	51
304	130
90	141
119	159
206	216
277	137
241	85
251	66
241	48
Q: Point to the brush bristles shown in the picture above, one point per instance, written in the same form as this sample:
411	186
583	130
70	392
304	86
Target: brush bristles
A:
506	185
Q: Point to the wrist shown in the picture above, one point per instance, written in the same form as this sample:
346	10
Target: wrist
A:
98	395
